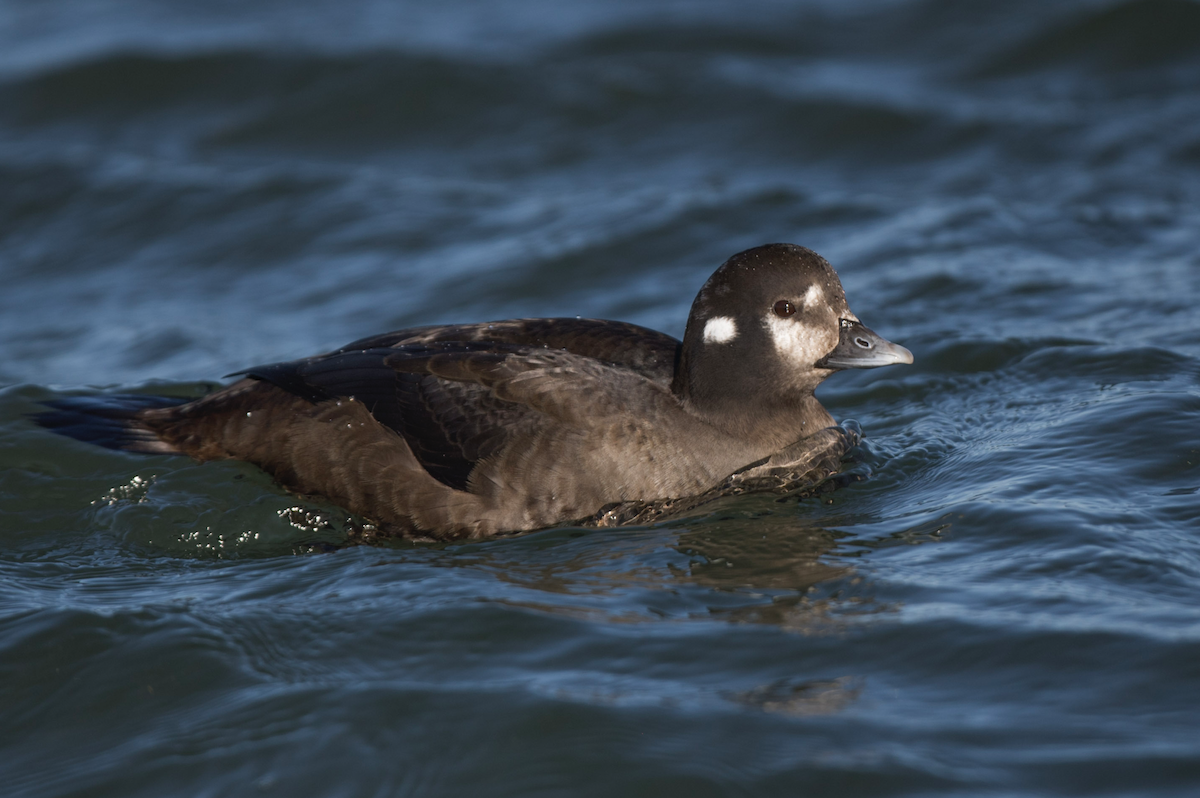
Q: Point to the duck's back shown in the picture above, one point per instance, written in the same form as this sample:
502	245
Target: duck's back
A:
647	352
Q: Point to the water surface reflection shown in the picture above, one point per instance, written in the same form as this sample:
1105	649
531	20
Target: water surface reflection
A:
751	560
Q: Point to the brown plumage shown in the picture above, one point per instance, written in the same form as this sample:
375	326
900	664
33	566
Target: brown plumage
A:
472	430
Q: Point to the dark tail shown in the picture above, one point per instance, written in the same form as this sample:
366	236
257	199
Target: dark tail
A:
112	421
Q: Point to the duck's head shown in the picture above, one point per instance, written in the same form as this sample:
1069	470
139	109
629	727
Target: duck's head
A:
768	327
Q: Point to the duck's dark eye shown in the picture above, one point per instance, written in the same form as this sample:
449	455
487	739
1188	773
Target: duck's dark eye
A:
783	308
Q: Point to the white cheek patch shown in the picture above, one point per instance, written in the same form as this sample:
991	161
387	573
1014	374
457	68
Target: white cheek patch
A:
720	330
797	342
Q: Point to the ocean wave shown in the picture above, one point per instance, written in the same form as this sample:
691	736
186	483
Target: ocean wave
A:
1119	36
393	101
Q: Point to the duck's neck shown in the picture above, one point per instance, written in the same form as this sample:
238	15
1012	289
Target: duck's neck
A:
765	424
746	395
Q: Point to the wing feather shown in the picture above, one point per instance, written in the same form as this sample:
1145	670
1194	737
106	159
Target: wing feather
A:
458	402
639	349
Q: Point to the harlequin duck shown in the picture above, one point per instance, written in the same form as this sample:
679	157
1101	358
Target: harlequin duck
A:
476	429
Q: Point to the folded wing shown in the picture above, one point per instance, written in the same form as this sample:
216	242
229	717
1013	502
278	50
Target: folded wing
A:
456	403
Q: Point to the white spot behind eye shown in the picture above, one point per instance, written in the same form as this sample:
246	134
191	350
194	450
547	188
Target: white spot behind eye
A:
813	295
719	330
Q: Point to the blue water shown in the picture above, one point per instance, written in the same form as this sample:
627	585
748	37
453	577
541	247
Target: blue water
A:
1007	606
